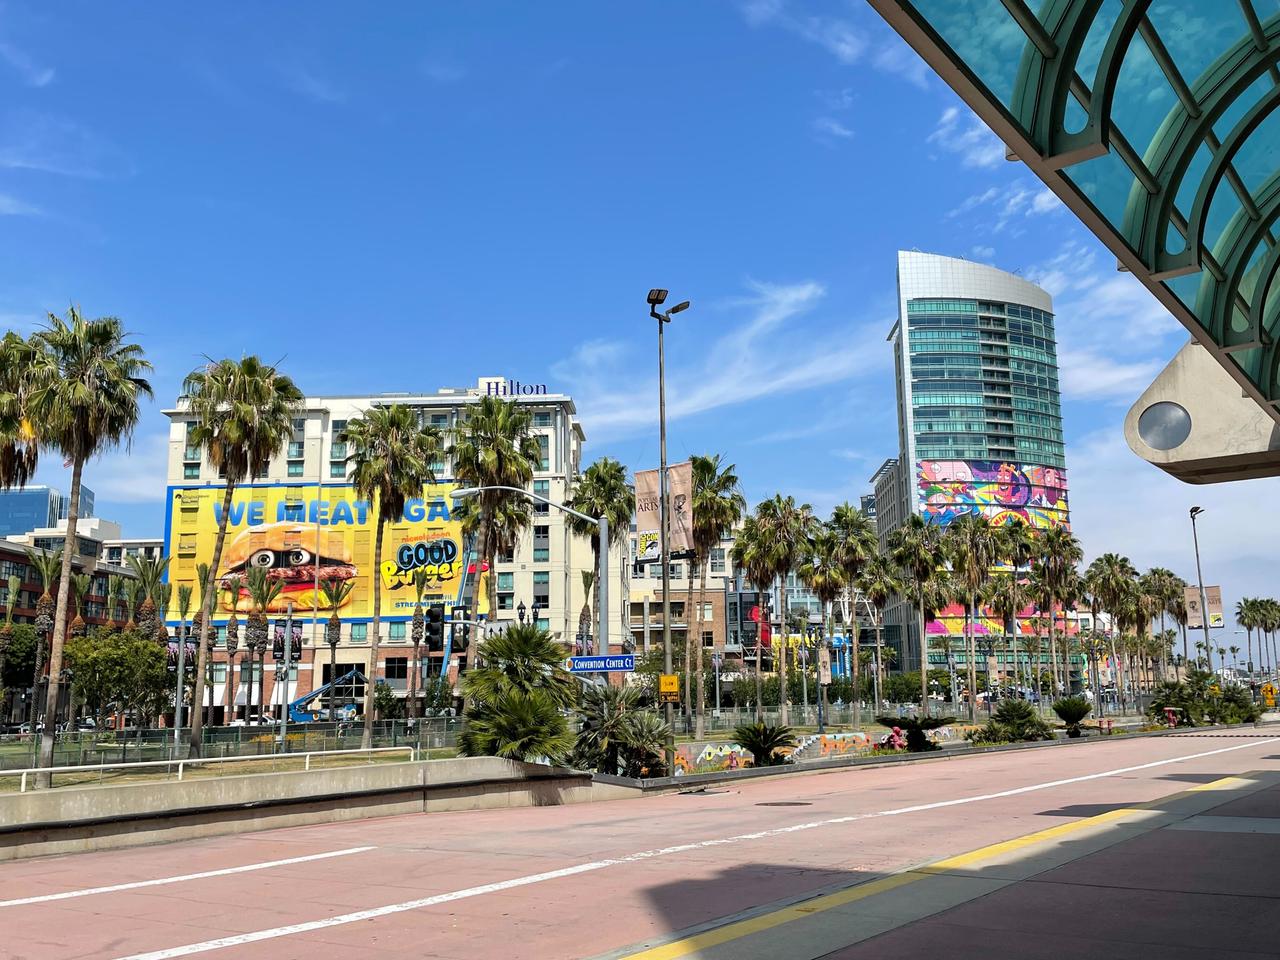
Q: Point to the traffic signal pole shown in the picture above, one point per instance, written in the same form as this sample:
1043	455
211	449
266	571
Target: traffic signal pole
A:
288	665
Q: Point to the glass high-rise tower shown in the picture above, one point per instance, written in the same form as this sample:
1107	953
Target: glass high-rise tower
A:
979	410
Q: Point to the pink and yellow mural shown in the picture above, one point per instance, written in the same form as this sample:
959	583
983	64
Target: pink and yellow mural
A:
1002	492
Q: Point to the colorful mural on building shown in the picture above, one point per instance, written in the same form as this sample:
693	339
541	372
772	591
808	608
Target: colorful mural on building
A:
1002	492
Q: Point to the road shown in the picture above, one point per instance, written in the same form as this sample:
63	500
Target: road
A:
580	881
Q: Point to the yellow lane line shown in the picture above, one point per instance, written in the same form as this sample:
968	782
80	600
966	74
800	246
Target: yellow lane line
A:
1226	783
807	908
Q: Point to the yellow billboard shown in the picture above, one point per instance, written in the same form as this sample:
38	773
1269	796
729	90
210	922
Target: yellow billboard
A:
301	534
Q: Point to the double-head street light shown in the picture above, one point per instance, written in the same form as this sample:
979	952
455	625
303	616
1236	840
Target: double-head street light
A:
1204	607
657	298
602	571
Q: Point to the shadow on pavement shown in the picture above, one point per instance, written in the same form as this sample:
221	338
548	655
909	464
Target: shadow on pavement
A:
1130	888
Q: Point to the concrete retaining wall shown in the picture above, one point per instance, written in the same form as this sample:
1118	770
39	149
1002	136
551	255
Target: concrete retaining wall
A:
72	820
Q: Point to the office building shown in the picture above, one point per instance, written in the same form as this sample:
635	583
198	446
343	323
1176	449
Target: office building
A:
303	509
979	412
26	509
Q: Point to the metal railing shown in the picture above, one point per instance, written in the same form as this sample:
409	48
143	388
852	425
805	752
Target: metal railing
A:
182	764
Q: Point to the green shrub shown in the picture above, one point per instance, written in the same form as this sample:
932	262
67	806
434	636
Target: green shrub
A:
1071	710
1015	721
915	728
763	740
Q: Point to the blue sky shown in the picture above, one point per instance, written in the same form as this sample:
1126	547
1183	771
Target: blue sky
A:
417	196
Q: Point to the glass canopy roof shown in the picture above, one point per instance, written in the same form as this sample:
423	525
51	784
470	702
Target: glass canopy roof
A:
1156	122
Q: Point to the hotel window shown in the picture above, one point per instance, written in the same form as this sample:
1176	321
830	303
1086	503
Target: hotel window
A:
222	634
395	631
506	581
359	632
541	488
295	468
506	601
717	560
295	449
439	419
544	623
337	469
544	452
541	588
541	544
191	471
397	668
299	424
542	418
708	639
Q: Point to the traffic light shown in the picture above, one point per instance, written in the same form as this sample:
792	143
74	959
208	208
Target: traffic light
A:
461	637
435	627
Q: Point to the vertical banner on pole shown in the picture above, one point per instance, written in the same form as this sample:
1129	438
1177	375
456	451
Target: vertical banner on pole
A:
679	512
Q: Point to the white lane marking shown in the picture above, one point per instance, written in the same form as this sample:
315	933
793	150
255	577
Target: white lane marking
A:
240	939
226	871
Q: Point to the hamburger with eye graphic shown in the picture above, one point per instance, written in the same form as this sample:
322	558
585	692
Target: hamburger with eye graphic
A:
277	548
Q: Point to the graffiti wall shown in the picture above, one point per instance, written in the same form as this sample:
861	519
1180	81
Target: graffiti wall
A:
1002	492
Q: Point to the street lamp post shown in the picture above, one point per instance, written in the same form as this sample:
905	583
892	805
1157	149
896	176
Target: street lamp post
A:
716	660
602	571
1204	607
177	697
657	298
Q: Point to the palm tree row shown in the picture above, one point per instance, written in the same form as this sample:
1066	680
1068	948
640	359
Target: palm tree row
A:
1260	617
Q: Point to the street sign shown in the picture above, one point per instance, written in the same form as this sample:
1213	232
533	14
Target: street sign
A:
668	688
1215	690
1269	695
618	663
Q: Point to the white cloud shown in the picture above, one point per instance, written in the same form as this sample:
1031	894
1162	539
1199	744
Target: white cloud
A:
968	137
1120	503
32	74
983	253
1001	206
13	207
1093	375
305	82
769	354
37	141
827	127
137	475
846	40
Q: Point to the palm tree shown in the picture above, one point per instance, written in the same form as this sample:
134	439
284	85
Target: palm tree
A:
1007	596
232	586
392	457
878	582
19	446
1060	552
86	380
1248	615
1110	576
750	554
417	631
13	587
81	584
521	659
243	414
494	446
47	566
717	506
973	546
857	538
602	491
822	569
787	527
916	548
148	573
1164	587
115	596
336	592
262	592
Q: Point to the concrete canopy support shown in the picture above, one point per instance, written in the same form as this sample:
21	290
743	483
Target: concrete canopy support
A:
1194	423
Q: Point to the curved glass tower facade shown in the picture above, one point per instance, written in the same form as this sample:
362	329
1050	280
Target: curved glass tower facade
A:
979	408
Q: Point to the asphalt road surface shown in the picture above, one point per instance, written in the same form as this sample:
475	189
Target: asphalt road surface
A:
605	879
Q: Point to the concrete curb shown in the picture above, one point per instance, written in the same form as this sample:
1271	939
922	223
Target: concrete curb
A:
950	752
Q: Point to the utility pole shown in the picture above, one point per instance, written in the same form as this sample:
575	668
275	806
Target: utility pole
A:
1204	607
662	541
283	674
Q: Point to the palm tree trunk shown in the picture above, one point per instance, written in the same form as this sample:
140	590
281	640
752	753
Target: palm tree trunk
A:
700	700
878	686
60	624
784	714
692	638
228	695
1249	641
855	666
262	680
413	681
366	737
971	654
206	624
759	650
924	662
